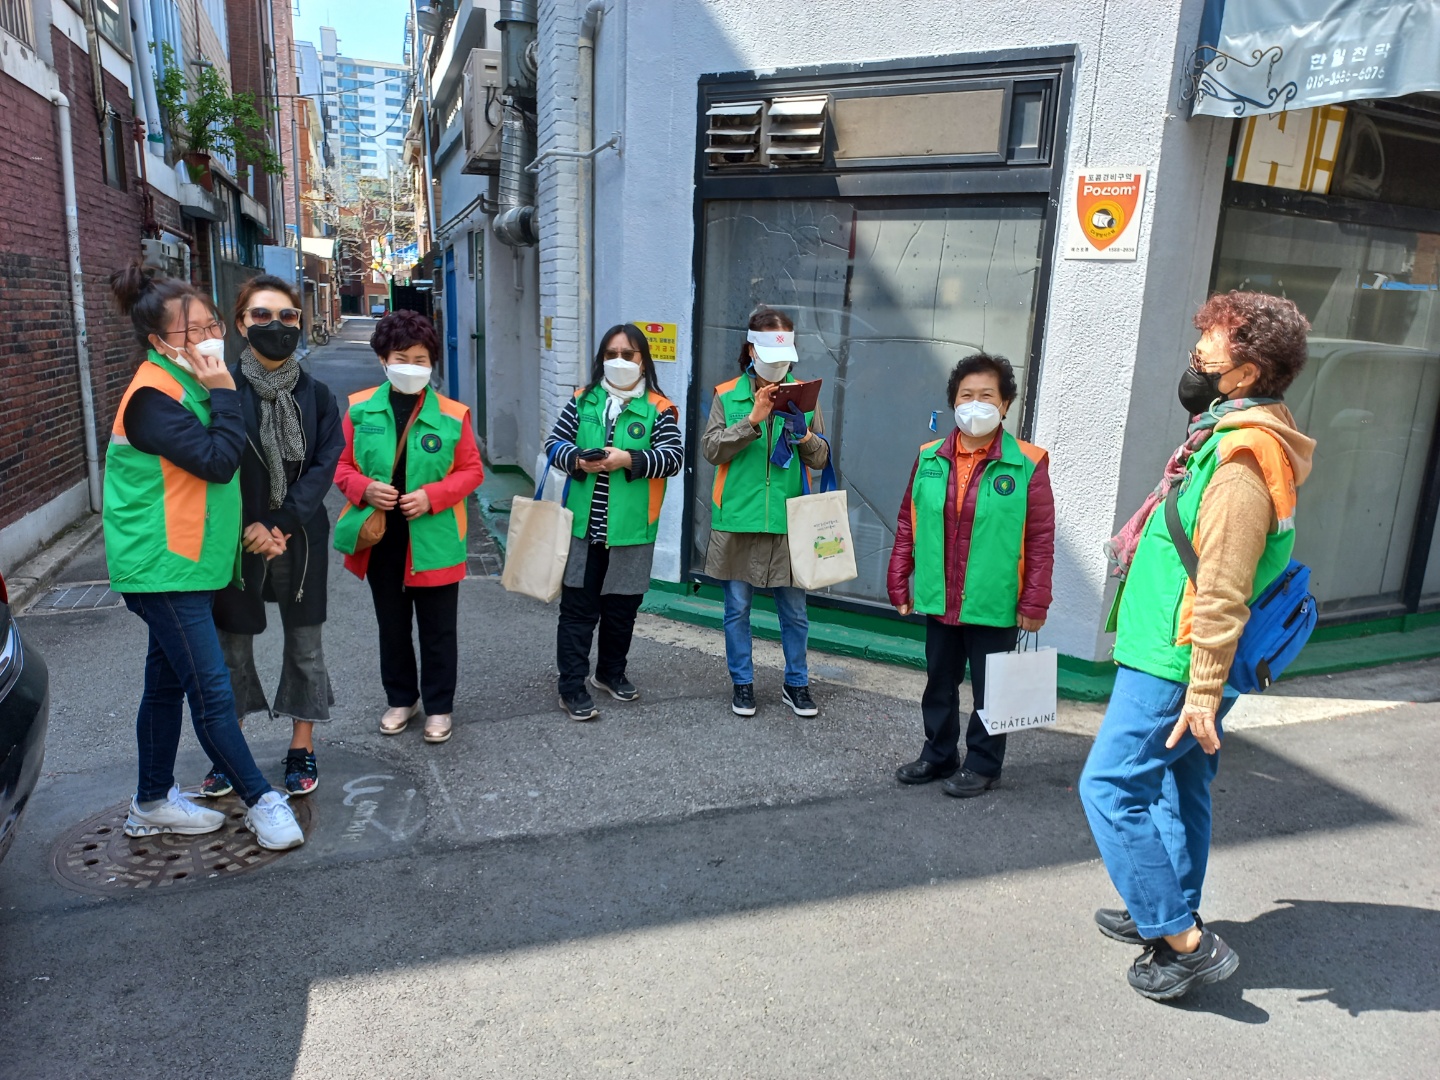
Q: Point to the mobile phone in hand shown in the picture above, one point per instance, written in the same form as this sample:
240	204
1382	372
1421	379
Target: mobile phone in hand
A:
591	455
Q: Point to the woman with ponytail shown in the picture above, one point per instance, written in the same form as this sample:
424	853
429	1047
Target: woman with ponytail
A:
172	537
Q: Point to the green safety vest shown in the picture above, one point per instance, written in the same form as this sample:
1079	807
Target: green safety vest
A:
633	509
1151	615
166	530
990	590
437	541
750	493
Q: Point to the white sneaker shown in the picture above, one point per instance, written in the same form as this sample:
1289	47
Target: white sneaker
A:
177	815
273	823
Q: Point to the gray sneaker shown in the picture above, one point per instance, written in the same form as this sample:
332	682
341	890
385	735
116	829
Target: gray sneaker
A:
176	815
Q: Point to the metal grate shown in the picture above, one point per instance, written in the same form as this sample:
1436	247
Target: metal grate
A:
97	857
15	20
75	596
774	134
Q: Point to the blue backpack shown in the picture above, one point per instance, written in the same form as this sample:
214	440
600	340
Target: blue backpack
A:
1281	618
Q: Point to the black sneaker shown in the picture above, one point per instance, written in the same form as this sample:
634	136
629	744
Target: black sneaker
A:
1116	923
216	785
799	700
1160	973
302	775
742	700
621	689
579	706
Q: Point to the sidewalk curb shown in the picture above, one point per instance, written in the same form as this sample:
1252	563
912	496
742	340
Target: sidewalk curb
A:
34	576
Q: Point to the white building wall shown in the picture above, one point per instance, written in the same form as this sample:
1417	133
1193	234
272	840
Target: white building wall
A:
1116	331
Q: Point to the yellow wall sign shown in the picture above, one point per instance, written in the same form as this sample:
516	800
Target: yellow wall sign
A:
664	338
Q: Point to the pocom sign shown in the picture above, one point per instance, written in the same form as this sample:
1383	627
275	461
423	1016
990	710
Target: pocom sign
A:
1104	221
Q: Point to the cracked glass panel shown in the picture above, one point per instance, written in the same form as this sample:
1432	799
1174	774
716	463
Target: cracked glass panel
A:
885	301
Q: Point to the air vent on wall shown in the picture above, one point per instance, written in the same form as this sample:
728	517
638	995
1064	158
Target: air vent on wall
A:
733	133
780	133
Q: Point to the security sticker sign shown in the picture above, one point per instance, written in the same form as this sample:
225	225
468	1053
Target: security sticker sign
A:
1104	220
664	338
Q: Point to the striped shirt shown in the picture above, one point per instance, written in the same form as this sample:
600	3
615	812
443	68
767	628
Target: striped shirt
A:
664	458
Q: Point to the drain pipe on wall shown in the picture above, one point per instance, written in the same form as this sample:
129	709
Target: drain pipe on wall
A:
585	153
77	297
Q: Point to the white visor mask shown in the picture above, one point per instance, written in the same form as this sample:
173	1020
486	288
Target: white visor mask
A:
774	349
622	374
408	378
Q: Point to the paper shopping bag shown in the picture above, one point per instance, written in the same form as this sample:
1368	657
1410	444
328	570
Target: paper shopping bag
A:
538	545
821	552
1019	690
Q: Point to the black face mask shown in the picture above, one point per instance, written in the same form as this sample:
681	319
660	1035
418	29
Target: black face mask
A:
274	340
1199	389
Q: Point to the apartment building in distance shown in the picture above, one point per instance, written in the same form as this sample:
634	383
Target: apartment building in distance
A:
364	107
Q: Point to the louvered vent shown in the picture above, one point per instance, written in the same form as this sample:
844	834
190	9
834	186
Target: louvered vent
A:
776	134
796	131
733	134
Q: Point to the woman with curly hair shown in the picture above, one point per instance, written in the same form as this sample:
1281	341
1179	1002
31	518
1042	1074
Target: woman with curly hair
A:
410	458
1146	785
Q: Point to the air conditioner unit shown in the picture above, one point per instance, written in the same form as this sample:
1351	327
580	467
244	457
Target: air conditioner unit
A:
160	254
481	107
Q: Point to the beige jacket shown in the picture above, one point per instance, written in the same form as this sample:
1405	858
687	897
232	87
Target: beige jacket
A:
761	559
1236	515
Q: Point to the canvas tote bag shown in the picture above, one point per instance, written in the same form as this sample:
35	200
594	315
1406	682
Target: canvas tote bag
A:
821	552
539	542
1020	688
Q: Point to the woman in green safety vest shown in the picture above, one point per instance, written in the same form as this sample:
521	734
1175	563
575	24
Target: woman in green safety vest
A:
172	540
977	533
410	455
759	458
1146	783
617	439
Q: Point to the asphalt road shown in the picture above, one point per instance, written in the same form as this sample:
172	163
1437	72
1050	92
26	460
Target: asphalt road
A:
676	892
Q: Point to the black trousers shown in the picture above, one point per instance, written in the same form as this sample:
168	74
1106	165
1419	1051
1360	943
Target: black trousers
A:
435	608
947	651
580	610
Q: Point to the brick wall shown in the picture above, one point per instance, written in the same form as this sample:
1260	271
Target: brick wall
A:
42	450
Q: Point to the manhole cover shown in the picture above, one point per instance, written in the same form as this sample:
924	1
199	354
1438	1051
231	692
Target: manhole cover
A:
75	596
97	857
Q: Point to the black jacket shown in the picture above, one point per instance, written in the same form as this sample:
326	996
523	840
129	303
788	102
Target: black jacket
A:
303	514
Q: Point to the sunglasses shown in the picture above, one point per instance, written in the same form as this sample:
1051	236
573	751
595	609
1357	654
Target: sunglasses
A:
288	316
621	354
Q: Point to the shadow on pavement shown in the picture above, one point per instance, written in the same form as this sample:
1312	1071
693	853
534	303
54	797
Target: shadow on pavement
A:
1358	957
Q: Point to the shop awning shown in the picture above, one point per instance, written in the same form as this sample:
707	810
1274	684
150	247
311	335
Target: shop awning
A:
1268	56
319	246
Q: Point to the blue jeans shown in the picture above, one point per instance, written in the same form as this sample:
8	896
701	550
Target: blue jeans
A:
794	632
185	661
1149	807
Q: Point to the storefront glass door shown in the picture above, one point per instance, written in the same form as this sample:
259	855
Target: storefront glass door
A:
1369	394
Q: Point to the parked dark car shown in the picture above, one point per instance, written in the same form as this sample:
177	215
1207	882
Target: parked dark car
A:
24	714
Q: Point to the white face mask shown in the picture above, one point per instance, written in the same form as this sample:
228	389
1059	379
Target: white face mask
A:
622	374
212	347
976	418
179	359
408	378
771	372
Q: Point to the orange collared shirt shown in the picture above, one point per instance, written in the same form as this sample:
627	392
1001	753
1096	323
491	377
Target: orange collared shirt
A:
965	464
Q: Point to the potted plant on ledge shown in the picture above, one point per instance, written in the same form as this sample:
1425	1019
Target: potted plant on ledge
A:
206	119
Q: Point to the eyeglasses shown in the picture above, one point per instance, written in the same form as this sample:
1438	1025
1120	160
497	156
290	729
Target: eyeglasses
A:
621	354
288	316
197	334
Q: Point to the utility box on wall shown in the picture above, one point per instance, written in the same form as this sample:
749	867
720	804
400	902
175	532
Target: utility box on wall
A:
480	104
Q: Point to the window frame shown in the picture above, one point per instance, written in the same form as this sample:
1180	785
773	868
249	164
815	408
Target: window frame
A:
900	181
